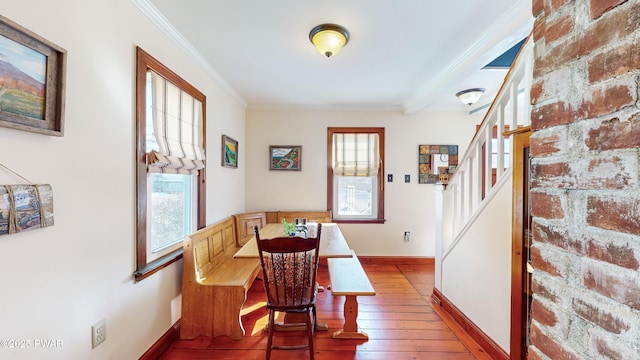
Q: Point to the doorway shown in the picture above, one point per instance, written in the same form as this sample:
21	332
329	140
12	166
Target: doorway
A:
521	244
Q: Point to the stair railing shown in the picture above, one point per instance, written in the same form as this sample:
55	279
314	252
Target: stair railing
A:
486	163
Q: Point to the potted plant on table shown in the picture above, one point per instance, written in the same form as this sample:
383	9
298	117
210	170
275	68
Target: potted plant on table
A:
289	228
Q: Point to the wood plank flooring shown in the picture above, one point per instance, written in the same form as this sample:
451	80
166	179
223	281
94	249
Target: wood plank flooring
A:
401	321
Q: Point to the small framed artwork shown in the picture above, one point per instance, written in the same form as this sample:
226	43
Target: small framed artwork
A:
32	75
229	152
285	157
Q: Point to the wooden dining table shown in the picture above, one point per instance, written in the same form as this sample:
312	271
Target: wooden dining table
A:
332	245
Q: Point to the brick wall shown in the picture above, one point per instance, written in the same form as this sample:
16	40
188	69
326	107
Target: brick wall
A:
586	179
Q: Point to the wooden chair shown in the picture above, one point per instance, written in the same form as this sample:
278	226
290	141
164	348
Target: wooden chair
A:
289	267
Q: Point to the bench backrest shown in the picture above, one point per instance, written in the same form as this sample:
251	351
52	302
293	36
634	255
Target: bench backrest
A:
208	247
311	216
245	223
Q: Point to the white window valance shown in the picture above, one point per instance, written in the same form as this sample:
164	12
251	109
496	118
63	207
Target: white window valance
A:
355	154
177	129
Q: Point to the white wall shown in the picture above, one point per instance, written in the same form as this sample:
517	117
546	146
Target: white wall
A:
57	282
476	274
408	207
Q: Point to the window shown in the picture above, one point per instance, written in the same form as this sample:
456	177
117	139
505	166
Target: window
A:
170	176
355	168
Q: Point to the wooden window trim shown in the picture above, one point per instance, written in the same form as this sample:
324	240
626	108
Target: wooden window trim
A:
351	130
144	62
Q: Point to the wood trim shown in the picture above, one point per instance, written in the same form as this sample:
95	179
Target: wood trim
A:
381	178
159	347
519	130
396	260
490	346
144	62
519	254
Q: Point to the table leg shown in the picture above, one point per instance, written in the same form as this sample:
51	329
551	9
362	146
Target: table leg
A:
350	329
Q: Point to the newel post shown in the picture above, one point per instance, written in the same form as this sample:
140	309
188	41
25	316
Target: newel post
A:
439	191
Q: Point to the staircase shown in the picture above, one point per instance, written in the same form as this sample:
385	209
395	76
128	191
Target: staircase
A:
473	212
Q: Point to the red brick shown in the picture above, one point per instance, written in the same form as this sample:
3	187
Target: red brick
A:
612	349
539	28
559	28
623	256
615	62
535	92
609	172
542	314
533	355
540	263
614	134
612	213
555	56
599	7
614	285
555	175
606	100
595	314
611	28
553	5
542	290
552	144
550	347
537	6
548	235
546	206
558	113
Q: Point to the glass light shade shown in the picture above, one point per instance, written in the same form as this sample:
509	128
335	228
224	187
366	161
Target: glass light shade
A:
329	38
470	96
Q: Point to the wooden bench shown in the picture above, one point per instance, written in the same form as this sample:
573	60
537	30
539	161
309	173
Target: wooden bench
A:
245	223
214	284
349	279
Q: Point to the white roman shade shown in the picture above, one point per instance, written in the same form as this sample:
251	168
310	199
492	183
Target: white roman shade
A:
177	129
355	154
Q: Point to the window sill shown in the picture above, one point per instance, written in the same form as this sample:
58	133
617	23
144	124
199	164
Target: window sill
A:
359	221
154	266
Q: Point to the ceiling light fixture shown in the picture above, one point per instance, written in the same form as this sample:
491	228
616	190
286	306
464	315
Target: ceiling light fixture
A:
470	96
329	38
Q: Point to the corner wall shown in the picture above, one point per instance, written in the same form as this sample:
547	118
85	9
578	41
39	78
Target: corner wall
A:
57	282
408	207
585	174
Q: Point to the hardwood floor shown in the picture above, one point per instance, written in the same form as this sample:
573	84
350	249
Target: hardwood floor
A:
400	320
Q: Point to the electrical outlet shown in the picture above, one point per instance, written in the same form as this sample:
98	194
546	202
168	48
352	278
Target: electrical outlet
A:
389	177
407	236
98	333
407	178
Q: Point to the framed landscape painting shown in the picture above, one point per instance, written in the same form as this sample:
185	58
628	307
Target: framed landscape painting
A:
32	72
285	157
229	152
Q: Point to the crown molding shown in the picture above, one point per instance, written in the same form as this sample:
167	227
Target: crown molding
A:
161	22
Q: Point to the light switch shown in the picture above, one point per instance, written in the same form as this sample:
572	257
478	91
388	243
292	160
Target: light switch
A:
407	178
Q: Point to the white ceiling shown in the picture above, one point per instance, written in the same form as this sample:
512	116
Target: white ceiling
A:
406	55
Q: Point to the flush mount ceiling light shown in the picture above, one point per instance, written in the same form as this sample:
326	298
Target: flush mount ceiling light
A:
470	96
329	38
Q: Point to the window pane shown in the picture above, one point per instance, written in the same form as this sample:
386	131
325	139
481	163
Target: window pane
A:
356	196
171	209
